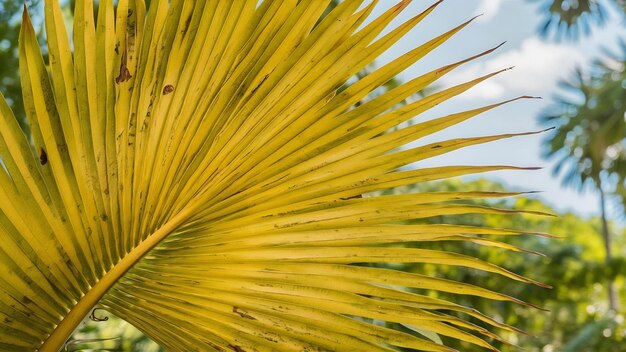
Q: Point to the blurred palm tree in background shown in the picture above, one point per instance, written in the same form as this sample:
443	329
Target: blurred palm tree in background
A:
573	18
590	113
590	138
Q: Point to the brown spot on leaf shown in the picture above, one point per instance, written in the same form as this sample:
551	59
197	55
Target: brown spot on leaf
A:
352	197
124	74
43	157
242	313
236	348
168	89
124	71
258	85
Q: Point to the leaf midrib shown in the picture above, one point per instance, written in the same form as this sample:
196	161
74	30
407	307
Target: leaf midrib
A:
75	316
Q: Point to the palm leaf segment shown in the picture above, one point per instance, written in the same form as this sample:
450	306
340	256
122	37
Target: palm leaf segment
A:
194	170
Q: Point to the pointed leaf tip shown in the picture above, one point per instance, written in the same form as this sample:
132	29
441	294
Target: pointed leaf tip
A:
436	3
25	14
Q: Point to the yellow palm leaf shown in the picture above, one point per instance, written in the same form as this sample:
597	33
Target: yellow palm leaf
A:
196	169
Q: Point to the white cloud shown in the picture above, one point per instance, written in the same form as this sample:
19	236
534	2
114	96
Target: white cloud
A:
538	68
489	8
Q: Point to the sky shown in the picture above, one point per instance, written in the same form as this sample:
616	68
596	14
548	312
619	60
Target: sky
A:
539	64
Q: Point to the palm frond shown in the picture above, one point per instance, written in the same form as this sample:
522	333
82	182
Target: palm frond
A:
194	170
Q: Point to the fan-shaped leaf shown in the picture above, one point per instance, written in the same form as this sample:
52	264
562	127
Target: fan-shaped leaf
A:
197	168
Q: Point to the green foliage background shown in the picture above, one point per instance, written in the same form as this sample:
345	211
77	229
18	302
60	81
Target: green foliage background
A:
576	316
9	32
